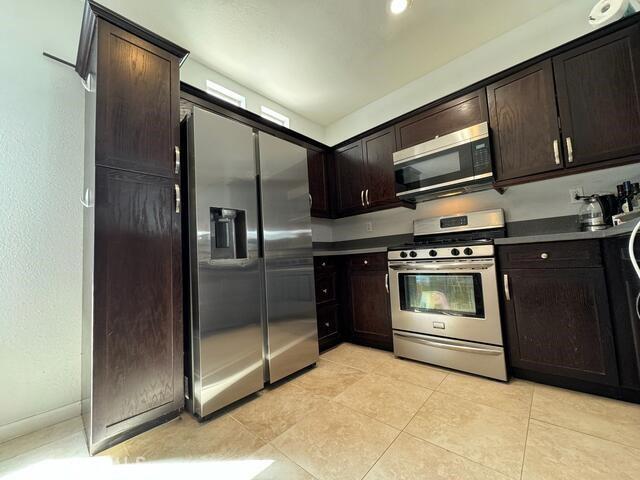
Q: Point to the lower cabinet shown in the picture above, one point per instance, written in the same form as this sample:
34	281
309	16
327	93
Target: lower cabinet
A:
556	314
352	300
369	311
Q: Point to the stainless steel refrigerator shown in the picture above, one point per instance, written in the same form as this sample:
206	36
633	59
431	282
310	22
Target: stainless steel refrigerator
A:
251	292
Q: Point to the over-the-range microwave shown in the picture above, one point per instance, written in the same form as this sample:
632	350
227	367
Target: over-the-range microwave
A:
455	163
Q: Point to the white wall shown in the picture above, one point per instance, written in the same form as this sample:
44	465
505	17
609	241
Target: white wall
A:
41	140
196	74
548	198
555	27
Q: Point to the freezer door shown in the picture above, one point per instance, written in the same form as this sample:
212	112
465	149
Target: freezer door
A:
290	326
227	357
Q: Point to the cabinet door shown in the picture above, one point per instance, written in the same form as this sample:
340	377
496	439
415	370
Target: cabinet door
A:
370	308
446	118
137	120
318	185
350	175
524	123
137	332
558	322
380	186
598	88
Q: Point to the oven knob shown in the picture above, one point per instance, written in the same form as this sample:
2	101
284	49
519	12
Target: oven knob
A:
455	252
468	251
403	254
432	253
413	254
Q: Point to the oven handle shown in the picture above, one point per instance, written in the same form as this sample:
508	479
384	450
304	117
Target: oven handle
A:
441	266
448	346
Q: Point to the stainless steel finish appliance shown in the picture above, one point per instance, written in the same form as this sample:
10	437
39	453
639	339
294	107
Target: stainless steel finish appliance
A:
251	291
444	294
459	162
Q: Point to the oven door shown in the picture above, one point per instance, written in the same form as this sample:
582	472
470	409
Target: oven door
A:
446	298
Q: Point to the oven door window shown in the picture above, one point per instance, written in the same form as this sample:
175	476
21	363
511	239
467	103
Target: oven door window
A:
458	294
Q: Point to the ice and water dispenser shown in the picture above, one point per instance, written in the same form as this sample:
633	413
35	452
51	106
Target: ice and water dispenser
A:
228	233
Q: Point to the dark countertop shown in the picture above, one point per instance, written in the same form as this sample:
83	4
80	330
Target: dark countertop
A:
623	229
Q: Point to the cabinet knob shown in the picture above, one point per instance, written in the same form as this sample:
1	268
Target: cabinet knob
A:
324	290
544	255
366	262
324	264
326	324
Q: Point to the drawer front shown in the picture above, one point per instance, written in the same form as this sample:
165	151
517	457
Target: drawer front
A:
327	321
579	253
325	288
377	261
324	264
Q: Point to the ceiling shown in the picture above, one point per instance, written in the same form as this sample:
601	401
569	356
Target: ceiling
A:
324	59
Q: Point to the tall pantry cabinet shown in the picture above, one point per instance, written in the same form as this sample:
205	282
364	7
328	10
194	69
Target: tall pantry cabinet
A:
132	360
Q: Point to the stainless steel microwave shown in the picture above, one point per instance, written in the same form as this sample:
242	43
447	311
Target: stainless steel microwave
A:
459	162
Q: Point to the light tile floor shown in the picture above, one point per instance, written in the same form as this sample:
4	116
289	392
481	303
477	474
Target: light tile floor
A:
361	413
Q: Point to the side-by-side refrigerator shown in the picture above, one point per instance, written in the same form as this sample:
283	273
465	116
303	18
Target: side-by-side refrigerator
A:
251	291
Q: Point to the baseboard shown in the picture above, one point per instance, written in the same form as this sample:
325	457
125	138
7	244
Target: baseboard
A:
39	421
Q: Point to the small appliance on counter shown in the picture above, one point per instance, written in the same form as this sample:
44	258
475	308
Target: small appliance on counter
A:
444	294
597	211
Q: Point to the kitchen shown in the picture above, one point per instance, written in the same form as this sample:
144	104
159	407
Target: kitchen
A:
278	303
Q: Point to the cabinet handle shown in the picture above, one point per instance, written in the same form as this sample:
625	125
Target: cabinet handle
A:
544	255
507	294
366	196
324	290
569	150
386	282
556	152
178	200
362	197
310	201
177	159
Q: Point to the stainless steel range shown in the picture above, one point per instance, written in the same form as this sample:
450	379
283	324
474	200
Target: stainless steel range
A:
444	294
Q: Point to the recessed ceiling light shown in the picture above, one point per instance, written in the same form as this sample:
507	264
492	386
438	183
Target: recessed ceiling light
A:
398	6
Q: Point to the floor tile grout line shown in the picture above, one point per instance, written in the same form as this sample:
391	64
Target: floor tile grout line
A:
636	449
457	454
526	438
382	454
291	460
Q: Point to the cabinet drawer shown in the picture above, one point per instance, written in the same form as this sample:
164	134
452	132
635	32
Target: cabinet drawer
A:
327	321
324	264
377	261
579	253
325	288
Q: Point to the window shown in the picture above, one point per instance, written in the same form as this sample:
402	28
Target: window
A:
274	116
225	94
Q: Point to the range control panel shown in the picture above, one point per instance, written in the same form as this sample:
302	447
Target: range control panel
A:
442	252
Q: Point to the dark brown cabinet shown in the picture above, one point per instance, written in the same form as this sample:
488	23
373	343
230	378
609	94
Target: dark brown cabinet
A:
556	312
318	183
598	87
448	117
132	358
365	176
524	122
369	305
327	272
350	178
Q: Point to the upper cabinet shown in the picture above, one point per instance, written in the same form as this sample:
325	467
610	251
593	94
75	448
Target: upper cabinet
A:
524	121
598	87
365	177
576	111
445	118
318	184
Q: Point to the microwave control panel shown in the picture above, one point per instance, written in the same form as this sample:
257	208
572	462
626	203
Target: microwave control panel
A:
481	154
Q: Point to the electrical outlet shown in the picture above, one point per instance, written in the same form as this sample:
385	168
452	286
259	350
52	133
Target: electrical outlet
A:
369	226
573	192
